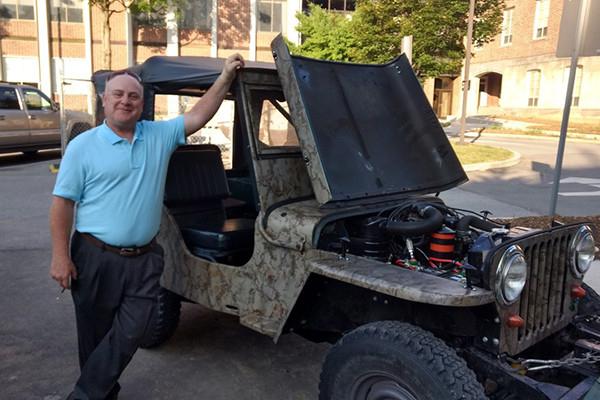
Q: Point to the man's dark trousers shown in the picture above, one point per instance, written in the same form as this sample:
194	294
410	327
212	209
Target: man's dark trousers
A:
115	298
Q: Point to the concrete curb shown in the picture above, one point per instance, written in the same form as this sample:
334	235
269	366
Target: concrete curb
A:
513	160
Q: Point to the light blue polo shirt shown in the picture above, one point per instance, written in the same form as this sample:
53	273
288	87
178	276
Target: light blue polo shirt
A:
119	186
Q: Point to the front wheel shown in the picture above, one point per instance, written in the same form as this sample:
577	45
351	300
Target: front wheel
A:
396	361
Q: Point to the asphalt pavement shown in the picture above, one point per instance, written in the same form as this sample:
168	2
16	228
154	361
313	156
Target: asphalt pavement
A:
211	356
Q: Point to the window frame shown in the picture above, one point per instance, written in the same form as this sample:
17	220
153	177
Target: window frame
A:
258	95
17	10
576	96
56	11
540	21
207	22
506	31
283	8
533	87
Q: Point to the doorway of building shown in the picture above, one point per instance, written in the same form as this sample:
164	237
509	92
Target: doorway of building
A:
490	91
442	96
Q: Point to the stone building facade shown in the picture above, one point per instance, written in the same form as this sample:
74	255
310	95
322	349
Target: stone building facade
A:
518	73
46	42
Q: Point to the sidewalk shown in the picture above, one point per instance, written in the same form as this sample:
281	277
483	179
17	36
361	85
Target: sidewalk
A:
475	123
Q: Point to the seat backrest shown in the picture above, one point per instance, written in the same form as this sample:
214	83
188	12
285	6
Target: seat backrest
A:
196	174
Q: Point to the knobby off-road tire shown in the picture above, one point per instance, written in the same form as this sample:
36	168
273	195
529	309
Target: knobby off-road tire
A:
394	360
164	321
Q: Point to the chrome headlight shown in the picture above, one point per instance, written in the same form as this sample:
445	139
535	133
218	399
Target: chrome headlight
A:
582	251
511	275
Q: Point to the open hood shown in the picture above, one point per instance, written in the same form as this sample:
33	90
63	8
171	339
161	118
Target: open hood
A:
366	131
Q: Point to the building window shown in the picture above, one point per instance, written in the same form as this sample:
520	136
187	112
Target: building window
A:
507	22
333	5
577	86
534	77
540	23
197	15
17	9
67	11
271	15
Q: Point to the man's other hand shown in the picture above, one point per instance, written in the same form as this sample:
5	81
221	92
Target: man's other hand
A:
62	271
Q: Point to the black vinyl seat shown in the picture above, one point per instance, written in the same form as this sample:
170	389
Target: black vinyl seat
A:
195	191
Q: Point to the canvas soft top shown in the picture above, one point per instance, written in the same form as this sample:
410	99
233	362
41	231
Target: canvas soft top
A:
166	74
171	73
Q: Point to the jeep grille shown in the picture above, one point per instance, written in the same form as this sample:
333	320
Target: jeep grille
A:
545	304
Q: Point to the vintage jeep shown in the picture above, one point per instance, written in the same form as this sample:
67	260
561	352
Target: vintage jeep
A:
313	210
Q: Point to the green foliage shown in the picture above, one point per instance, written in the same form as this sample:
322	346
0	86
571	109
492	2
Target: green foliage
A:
326	35
374	33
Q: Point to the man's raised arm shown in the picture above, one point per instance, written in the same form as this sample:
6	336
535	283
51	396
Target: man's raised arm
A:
207	106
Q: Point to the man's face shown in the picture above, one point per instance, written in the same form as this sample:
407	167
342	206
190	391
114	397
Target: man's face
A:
123	101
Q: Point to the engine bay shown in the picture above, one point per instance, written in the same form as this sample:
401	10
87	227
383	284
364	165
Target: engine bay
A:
422	234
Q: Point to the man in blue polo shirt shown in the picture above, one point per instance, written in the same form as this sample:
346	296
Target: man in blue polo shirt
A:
116	174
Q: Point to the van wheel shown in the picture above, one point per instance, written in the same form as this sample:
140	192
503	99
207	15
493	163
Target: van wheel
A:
395	360
165	320
77	129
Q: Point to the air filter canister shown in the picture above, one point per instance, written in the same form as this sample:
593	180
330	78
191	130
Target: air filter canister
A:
441	244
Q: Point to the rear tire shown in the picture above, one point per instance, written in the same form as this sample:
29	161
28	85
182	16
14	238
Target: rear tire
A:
395	360
164	321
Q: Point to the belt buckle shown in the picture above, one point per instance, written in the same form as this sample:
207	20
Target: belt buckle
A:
129	251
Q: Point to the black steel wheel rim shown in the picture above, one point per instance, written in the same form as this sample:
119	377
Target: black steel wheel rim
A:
379	385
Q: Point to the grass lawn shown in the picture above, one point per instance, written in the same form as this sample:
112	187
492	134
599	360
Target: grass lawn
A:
475	153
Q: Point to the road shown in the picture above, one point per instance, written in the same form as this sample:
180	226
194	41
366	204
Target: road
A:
211	356
529	184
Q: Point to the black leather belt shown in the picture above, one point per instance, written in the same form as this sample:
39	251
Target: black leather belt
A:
122	251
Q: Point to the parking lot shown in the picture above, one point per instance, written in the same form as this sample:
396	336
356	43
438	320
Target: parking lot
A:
210	357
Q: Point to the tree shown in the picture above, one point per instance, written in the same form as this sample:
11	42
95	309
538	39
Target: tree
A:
375	31
111	7
326	35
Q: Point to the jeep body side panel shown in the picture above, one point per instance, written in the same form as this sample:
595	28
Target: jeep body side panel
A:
374	117
262	292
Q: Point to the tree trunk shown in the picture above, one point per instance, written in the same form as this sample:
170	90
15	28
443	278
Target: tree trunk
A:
107	51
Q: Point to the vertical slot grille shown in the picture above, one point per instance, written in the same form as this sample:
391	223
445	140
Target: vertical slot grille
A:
544	301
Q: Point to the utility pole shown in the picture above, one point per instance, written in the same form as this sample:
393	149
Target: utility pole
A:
580	30
463	117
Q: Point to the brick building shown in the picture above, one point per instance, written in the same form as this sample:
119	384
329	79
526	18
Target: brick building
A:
519	73
41	38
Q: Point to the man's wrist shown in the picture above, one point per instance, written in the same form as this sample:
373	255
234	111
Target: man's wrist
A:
227	77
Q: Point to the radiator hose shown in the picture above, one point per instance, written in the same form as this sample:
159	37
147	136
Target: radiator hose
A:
432	221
